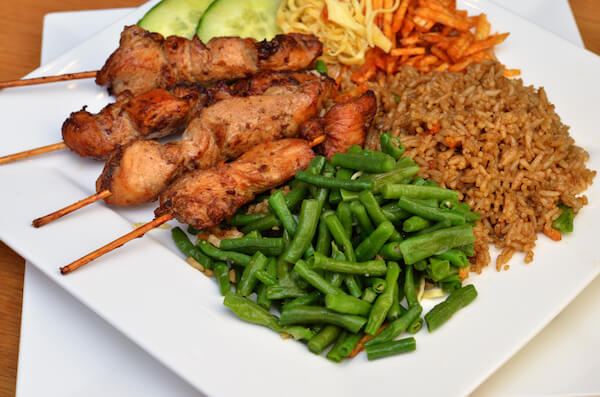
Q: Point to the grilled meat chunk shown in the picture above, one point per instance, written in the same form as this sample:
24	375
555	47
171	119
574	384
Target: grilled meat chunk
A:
204	198
223	131
145	60
344	125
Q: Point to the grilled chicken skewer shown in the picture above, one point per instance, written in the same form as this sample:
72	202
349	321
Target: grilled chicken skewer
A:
145	60
204	198
151	115
138	172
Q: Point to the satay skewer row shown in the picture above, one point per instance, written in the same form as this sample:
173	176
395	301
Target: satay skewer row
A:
154	114
229	185
175	60
139	172
48	79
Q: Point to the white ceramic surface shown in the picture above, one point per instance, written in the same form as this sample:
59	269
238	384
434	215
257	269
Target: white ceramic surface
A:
593	270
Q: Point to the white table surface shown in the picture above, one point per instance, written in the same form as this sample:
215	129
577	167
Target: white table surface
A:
561	361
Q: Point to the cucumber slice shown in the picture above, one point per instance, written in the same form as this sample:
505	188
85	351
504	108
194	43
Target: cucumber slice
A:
246	18
175	17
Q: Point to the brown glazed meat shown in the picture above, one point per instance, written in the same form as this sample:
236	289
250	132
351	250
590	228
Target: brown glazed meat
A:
151	115
204	198
223	131
158	113
145	60
344	125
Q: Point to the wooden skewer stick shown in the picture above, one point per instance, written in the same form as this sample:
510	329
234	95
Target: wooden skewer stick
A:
139	232
32	152
47	79
39	222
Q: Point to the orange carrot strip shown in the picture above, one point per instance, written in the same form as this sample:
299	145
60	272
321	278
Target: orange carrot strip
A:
407	28
457	67
438	52
511	72
485	44
377	4
482	29
552	233
443	18
399	16
452	142
459	46
442	68
408	51
387	20
360	346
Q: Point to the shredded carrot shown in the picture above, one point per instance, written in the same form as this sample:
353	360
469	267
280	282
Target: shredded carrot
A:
399	16
408	51
360	346
452	142
485	44
482	29
511	72
552	233
359	90
434	129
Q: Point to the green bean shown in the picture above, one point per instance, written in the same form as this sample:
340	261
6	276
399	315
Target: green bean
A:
225	256
188	249
374	210
253	234
269	246
316	314
432	214
397	175
222	275
564	222
367	268
468	249
345	216
362	218
420	247
267	222
314	279
192	230
437	226
378	284
335	353
395	310
395	191
343	303
266	278
321	67
277	203
333	183
394	213
339	235
415	326
352	285
281	266
420	265
391	145
323	239
307	226
384	301
245	219
269	278
392	348
369	295
369	162
433	203
307	299
319	342
456	257
464	210
438	269
414	224
249	280
335	196
372	244
251	312
409	288
391	251
446	309
397	326
283	290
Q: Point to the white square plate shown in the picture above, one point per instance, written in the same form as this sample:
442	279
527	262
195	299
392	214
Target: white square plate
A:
174	313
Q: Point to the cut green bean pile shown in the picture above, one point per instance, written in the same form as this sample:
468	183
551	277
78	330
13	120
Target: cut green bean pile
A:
341	255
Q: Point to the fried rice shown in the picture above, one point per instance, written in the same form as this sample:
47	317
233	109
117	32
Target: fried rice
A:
498	142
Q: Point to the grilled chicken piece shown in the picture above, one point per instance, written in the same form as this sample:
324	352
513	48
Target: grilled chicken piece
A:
151	115
223	131
145	60
344	125
204	198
